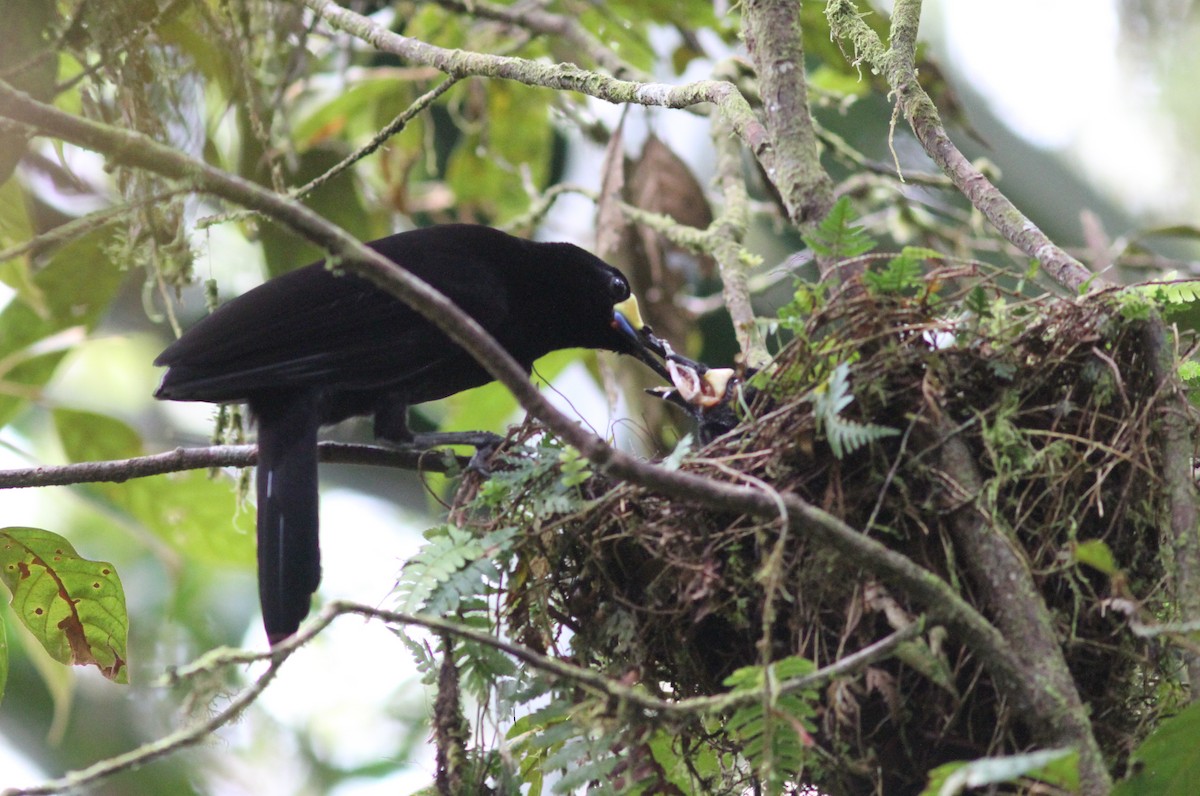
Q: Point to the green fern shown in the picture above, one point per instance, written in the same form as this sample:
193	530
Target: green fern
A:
1178	301
903	272
843	434
453	572
555	739
775	739
1173	293
539	483
978	303
806	300
837	236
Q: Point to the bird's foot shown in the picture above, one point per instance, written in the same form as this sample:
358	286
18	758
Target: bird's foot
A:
484	443
476	439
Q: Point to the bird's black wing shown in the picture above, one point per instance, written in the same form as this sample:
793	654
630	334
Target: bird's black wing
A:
312	326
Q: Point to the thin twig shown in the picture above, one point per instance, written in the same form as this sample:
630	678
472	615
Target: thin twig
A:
180	459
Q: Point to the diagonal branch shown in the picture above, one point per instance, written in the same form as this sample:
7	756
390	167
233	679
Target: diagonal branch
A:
1000	570
898	66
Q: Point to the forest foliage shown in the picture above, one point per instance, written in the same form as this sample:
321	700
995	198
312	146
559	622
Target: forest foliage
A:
940	535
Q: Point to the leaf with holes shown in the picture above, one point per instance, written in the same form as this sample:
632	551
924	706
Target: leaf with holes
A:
74	607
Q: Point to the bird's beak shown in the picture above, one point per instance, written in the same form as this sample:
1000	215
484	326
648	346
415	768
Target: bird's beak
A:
627	320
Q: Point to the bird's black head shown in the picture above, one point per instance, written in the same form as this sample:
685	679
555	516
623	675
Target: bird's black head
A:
588	303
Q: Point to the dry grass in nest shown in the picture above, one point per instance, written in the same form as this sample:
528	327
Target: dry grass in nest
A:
1054	399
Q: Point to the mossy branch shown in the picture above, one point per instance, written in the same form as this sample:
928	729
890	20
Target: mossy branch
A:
897	64
1053	709
726	232
561	77
773	37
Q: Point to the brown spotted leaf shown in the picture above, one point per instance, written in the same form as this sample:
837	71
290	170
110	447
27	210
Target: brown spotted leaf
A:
74	607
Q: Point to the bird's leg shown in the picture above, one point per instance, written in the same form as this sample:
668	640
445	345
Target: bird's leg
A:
391	425
484	442
476	439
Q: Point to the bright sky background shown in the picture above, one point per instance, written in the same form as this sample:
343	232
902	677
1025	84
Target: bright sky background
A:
1067	92
1070	91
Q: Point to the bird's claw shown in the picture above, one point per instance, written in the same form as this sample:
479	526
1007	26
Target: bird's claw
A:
485	444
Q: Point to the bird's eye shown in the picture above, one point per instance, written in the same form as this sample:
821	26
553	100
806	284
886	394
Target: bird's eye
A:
618	288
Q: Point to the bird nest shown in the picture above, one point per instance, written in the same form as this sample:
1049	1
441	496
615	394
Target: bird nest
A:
1055	401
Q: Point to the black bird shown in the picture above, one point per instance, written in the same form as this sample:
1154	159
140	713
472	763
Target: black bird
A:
313	347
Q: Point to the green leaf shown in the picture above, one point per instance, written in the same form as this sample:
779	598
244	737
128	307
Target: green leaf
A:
1168	762
1058	767
1096	554
352	108
74	607
508	147
837	236
3	656
195	514
78	285
15	229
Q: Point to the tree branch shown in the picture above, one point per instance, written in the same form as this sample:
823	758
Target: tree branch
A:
898	66
180	459
773	36
1052	707
727	231
537	20
584	678
562	77
1176	445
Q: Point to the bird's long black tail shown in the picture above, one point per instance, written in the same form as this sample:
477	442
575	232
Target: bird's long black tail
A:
289	553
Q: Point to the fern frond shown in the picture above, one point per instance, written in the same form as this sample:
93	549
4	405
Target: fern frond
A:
902	273
843	434
452	568
774	739
1173	293
837	236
